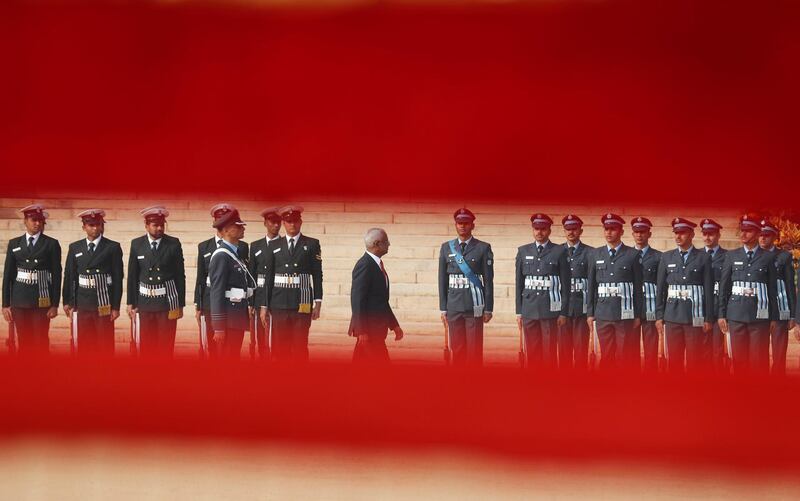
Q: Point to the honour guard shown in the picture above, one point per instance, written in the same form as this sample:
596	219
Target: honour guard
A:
32	283
294	288
615	297
785	294
156	285
649	257
715	343
202	292
685	307
259	257
466	290
573	341
231	285
542	293
748	301
93	286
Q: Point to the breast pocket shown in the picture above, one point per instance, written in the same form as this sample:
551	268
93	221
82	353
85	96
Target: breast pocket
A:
452	265
738	272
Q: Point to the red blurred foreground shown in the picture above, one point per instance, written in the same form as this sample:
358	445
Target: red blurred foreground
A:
741	423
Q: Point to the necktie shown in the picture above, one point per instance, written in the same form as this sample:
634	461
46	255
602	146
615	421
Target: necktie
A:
710	252
155	246
91	247
613	252
683	256
30	243
571	251
539	249
749	256
219	243
291	246
463	247
385	275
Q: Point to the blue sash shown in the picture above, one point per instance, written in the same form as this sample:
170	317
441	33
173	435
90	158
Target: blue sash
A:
464	267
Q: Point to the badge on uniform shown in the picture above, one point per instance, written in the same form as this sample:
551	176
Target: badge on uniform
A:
16	249
139	257
305	247
79	254
206	254
528	257
276	250
258	253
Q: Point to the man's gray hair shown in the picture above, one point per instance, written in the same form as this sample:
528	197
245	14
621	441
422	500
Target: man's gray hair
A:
373	235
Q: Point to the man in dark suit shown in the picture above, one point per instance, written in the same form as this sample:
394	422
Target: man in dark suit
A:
715	342
542	291
615	297
649	257
202	295
372	316
786	295
93	286
748	299
573	341
466	289
156	285
259	259
294	289
231	286
32	282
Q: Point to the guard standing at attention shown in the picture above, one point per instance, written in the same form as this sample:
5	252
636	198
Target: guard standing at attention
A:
649	258
259	258
573	341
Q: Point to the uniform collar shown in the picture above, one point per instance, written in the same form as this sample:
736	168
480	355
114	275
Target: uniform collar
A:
35	237
150	239
296	238
644	249
96	241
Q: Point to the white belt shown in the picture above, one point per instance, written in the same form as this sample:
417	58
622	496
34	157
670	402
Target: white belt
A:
737	290
236	295
27	276
261	281
611	291
680	294
458	282
286	280
90	282
158	292
578	286
532	282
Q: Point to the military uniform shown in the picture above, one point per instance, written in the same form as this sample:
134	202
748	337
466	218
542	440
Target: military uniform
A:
231	289
685	302
786	297
464	300
748	302
32	284
156	287
258	265
573	341
542	293
715	342
615	300
202	287
93	288
294	283
649	258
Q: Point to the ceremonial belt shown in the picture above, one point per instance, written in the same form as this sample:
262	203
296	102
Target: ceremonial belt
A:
100	282
475	283
551	283
40	277
288	281
580	285
92	281
168	289
236	295
623	290
649	289
693	293
753	289
784	311
300	281
261	280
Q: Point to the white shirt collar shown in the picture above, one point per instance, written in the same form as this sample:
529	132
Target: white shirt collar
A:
754	249
617	248
96	241
289	239
272	239
374	258
464	241
577	244
537	244
150	239
713	249
35	237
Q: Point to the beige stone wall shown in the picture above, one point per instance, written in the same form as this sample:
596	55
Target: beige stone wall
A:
416	230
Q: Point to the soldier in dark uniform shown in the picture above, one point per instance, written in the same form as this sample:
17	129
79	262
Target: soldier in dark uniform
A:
785	293
748	299
649	258
231	285
93	286
685	307
542	293
573	341
294	288
615	297
202	293
466	290
156	285
715	342
259	257
32	282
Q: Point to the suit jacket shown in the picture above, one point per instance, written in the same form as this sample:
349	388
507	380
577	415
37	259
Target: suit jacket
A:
717	260
649	262
45	255
624	267
369	300
307	258
736	268
672	271
157	268
479	257
785	271
552	262
106	260
258	264
226	273
578	268
202	294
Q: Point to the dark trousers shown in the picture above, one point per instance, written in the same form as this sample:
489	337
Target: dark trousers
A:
715	349
263	339
750	346
290	335
95	334
780	342
466	338
573	344
157	333
371	350
683	342
650	346
231	346
33	330
619	344
541	342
